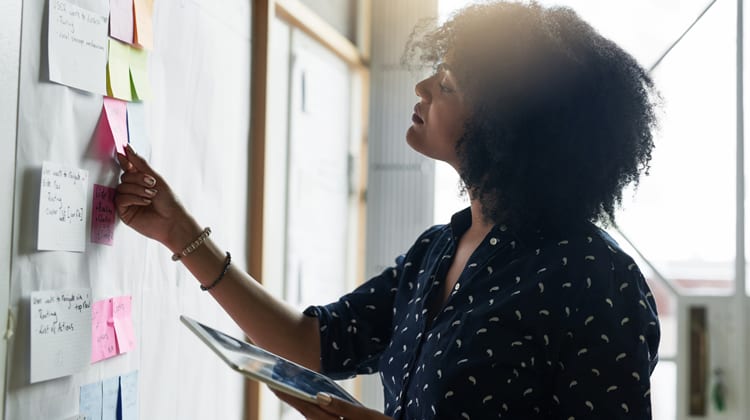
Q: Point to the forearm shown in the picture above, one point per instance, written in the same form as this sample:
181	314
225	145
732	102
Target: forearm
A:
268	321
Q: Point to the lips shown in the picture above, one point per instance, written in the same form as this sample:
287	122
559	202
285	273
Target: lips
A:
416	118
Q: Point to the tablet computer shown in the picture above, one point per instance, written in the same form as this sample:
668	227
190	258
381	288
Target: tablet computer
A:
261	365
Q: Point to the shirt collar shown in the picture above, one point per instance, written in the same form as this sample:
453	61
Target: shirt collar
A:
461	221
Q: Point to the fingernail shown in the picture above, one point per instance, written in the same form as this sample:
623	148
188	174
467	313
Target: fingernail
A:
149	180
147	201
151	191
323	398
130	149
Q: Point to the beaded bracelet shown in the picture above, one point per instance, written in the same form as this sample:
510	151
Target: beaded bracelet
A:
227	262
193	245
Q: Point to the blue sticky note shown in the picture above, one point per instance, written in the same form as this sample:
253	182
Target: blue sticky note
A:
90	403
137	129
129	396
111	394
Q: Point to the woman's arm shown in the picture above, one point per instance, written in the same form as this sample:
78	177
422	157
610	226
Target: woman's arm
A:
146	203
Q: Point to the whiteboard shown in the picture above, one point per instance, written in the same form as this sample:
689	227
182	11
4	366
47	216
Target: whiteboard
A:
198	125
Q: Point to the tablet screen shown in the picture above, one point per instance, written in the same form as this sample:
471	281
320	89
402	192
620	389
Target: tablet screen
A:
266	366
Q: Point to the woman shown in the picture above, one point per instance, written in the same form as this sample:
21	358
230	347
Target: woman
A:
520	307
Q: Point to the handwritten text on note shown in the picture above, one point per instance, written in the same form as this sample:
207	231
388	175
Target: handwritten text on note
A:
103	339
60	332
103	215
62	208
123	320
77	46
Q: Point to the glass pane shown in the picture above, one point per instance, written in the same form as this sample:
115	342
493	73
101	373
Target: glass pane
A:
341	14
664	391
682	217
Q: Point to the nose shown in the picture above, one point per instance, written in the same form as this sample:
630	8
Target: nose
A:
422	90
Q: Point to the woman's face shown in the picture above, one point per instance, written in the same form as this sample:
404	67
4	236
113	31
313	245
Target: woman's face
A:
438	119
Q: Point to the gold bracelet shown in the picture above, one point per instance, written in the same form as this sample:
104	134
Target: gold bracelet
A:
193	245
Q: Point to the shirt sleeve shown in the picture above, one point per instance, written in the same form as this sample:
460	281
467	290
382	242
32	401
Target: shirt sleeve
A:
609	348
355	330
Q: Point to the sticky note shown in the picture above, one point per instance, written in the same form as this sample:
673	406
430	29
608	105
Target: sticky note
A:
121	314
121	20
129	396
118	70
137	129
113	125
62	208
60	332
103	338
103	215
110	395
77	46
139	84
143	33
90	401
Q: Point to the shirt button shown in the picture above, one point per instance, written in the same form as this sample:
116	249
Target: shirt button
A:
493	241
457	286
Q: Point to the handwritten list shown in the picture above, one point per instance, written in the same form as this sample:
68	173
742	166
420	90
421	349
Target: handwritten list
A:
90	401
103	215
60	332
77	46
62	208
103	339
111	393
121	314
129	396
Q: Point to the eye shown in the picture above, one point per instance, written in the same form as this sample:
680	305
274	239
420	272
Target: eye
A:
444	88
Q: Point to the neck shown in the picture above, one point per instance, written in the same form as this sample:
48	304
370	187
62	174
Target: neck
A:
478	222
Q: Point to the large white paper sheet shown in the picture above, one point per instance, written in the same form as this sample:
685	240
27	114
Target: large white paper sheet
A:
62	208
77	47
60	332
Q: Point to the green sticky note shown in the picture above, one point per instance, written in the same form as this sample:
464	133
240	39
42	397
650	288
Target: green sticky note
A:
118	71
139	84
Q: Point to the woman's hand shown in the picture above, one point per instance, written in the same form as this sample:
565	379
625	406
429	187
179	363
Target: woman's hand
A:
145	202
330	408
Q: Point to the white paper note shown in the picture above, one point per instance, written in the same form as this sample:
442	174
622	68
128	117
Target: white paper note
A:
60	332
77	47
62	208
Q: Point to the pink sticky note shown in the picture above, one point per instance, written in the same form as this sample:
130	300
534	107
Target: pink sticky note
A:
103	340
117	116
121	313
103	215
113	124
121	20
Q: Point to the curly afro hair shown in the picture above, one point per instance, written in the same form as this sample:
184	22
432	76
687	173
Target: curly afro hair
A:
562	119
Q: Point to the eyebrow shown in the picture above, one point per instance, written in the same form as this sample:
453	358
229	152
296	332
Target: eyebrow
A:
443	67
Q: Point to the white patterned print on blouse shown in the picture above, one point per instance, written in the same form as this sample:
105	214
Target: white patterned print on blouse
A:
561	328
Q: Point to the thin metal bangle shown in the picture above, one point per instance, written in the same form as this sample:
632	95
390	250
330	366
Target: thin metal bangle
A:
227	262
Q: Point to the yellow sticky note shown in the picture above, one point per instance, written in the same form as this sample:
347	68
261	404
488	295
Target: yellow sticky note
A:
141	88
118	71
143	34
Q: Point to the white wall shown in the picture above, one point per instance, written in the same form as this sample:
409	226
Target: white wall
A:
198	126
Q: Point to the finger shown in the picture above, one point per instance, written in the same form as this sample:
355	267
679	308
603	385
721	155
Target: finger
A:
347	410
125	163
137	161
309	410
138	178
134	189
123	201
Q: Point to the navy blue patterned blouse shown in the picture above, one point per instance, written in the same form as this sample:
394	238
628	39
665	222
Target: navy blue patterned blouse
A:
534	328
